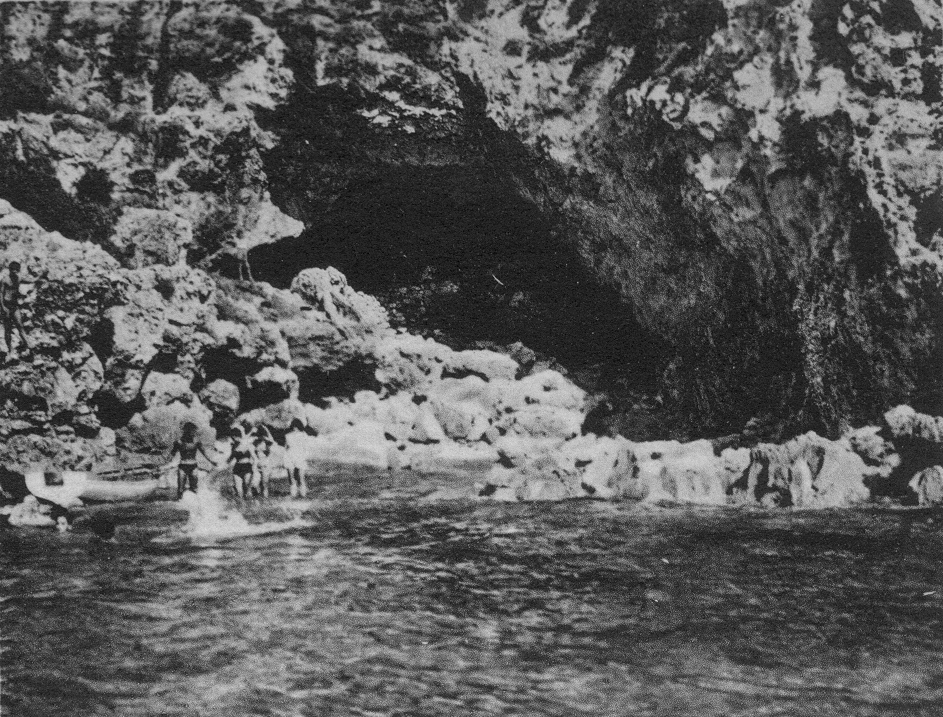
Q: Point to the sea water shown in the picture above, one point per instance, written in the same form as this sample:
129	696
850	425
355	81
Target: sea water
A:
405	607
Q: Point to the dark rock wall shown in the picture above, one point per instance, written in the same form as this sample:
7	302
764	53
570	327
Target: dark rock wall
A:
746	194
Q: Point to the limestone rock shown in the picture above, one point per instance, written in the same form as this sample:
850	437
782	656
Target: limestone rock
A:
806	472
336	416
156	429
600	468
275	383
221	398
426	427
682	472
407	362
349	310
143	237
928	486
362	445
905	422
277	417
162	389
464	421
874	449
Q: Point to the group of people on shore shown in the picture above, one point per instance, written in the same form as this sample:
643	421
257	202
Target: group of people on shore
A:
250	457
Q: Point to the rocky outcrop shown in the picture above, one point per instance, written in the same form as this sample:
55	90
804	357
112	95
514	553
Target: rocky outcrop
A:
917	441
141	120
758	183
808	472
758	179
120	355
131	352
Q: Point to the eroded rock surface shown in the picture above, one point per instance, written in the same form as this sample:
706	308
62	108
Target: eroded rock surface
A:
758	184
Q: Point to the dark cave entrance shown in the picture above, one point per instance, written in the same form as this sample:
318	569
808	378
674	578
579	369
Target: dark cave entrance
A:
458	253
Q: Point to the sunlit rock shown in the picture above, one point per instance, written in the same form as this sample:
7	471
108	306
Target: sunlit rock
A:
928	486
155	430
222	398
905	422
806	472
336	416
682	472
275	383
363	445
143	237
162	389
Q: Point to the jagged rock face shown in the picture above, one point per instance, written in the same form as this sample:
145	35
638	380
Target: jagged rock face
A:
761	180
139	118
120	356
758	182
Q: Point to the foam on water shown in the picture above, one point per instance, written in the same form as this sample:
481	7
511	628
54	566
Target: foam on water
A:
211	517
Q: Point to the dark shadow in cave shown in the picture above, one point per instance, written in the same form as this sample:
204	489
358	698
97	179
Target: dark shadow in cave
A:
457	253
358	375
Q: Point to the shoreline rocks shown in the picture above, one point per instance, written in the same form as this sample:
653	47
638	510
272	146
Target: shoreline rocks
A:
124	355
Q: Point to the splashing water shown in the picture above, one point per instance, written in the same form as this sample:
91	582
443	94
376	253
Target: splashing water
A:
212	517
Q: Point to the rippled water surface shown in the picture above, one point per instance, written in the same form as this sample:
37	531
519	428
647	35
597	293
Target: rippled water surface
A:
457	608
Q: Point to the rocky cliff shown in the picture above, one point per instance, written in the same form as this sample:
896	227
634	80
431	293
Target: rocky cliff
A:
740	201
761	181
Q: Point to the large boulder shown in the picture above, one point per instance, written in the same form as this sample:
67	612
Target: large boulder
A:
277	417
155	430
222	398
806	472
162	389
274	383
406	362
600	468
462	422
927	485
904	422
335	416
347	309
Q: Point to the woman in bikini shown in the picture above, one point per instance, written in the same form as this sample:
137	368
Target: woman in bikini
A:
243	459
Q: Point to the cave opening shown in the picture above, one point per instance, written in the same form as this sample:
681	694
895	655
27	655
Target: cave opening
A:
461	254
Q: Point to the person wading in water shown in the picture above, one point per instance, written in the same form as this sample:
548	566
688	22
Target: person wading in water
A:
10	307
263	455
243	459
187	447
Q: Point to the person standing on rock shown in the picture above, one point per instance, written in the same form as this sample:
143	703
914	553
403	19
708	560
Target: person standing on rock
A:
10	307
187	447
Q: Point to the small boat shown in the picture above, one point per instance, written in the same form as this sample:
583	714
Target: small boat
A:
70	488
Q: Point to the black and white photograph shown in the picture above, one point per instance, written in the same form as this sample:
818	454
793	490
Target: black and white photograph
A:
471	358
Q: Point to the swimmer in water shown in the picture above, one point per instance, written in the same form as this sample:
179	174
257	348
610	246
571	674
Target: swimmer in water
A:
187	447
